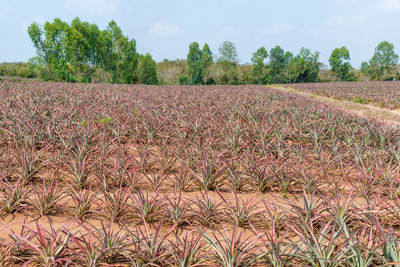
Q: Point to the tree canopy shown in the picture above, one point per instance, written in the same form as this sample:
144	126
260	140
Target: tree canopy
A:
383	62
82	48
258	69
82	52
340	63
228	60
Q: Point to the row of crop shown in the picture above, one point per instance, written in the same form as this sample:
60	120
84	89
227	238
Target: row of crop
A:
379	174
314	231
382	94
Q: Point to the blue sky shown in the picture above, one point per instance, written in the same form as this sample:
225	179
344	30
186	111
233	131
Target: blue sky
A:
165	28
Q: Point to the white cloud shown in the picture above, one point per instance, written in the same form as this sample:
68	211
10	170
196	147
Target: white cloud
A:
92	7
281	28
391	6
162	28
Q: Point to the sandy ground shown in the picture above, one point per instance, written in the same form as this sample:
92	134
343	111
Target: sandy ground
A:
368	110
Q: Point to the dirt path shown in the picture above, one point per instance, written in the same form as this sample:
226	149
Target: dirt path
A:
371	111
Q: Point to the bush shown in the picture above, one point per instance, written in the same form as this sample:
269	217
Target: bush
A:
210	81
45	74
359	101
147	70
184	79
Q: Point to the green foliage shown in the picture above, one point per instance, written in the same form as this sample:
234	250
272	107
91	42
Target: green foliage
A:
245	74
278	61
184	80
30	69
198	62
210	81
359	101
259	69
229	76
78	51
340	65
382	65
228	59
120	56
169	71
233	75
147	73
228	52
49	42
206	62
104	121
303	68
194	64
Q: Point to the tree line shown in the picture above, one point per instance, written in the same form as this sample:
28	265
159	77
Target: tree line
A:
81	52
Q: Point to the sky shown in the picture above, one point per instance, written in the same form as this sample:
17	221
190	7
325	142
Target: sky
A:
165	28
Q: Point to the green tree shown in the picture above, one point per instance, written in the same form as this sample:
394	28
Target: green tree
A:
49	42
206	62
383	62
384	59
195	68
369	70
228	59
303	68
278	61
147	71
123	56
83	48
340	65
258	69
183	80
198	62
228	52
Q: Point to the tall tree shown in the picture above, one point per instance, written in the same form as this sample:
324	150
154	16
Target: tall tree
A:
258	68
198	62
339	62
228	59
206	61
195	68
147	72
383	62
228	52
385	59
82	48
304	67
49	42
278	61
124	57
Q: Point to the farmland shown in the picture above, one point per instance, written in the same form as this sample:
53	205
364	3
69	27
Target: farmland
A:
381	94
95	174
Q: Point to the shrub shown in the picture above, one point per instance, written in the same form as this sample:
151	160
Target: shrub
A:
184	80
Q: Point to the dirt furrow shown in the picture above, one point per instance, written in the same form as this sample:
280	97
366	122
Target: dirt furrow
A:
368	110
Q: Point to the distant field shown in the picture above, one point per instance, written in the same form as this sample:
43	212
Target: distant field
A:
95	174
382	94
